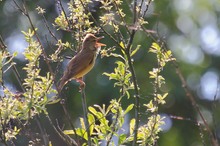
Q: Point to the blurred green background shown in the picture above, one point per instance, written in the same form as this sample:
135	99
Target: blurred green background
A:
191	30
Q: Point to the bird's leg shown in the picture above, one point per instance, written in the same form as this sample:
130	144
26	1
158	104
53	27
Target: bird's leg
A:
82	84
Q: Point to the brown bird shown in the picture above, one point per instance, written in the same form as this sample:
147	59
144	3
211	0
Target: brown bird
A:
82	62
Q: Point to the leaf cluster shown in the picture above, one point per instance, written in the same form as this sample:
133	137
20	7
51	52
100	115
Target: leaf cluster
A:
23	106
108	127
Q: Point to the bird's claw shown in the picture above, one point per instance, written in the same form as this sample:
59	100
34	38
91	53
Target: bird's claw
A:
82	84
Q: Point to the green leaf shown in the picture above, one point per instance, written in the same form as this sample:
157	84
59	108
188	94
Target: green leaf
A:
82	133
114	110
92	110
152	74
82	123
128	94
68	132
99	115
135	50
95	140
109	108
130	107
122	45
91	120
155	48
122	139
132	124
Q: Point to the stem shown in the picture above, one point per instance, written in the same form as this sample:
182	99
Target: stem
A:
25	12
147	7
62	102
60	3
195	105
114	128
43	133
102	28
137	95
64	137
134	78
214	106
85	111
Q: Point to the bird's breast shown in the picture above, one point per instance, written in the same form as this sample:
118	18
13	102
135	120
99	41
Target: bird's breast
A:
88	68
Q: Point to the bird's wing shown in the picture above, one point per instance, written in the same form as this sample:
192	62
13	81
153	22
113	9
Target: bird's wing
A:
76	65
79	63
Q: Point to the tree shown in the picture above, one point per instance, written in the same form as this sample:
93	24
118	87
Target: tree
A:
131	117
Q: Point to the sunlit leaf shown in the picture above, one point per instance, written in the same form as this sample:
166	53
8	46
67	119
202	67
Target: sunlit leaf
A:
132	124
91	120
68	132
92	110
129	108
135	50
122	138
82	123
122	45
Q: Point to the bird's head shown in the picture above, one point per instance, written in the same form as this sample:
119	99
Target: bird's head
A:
91	42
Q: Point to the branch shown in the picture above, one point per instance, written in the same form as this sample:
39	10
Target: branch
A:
15	71
60	3
24	11
42	131
85	111
114	128
134	78
62	102
102	28
64	137
194	104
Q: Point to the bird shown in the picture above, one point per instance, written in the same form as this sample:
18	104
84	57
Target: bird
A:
82	62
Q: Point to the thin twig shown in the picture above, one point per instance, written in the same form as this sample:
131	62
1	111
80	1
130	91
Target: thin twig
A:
213	108
114	128
2	44
147	7
15	71
195	105
122	18
62	102
85	111
60	3
45	58
155	113
137	95
102	28
191	97
64	137
48	28
42	131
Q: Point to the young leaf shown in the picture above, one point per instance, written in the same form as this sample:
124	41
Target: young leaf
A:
122	138
130	107
132	124
135	50
68	132
91	120
122	45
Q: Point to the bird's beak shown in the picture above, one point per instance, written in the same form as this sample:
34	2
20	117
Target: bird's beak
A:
98	43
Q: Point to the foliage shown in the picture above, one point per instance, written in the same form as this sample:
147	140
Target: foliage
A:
21	107
114	18
100	129
104	132
121	73
115	123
